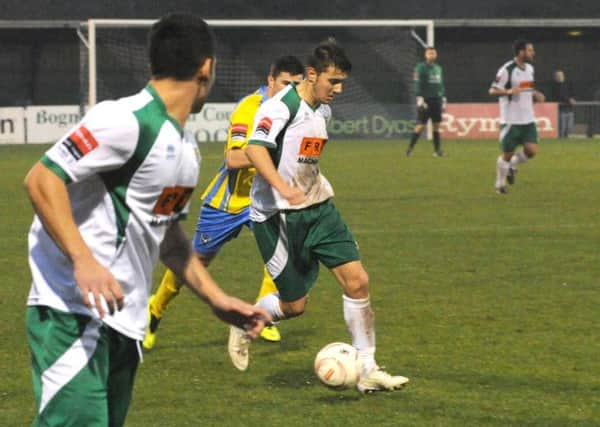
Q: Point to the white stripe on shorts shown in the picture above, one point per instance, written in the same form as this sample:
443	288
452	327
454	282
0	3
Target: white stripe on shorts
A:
280	257
70	363
504	131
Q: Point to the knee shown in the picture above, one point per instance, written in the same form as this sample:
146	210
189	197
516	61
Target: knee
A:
357	286
294	308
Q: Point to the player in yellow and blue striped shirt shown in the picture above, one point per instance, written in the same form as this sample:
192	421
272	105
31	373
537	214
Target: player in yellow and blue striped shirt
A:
226	200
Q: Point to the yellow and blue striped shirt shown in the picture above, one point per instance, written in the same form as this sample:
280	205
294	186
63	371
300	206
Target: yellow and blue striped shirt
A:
229	190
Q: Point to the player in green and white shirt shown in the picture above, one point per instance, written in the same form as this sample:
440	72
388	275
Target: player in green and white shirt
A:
296	224
515	87
108	197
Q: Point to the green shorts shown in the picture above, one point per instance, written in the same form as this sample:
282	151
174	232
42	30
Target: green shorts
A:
293	242
83	371
513	135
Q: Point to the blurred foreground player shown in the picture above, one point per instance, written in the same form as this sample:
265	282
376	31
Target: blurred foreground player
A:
108	197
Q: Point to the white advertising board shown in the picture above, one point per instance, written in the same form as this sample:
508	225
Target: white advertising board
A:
12	125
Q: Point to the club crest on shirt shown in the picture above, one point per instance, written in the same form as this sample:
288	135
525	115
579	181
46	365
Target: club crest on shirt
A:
80	142
264	126
170	152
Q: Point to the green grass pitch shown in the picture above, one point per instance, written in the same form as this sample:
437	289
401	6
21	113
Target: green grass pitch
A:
488	303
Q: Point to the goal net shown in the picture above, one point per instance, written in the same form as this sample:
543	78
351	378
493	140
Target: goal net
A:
377	101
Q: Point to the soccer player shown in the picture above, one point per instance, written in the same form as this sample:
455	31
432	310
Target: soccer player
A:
226	200
296	224
515	88
431	101
108	197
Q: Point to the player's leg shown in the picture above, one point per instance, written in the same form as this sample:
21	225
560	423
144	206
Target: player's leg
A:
422	118
336	248
435	112
509	139
70	365
280	240
269	332
529	137
437	140
123	362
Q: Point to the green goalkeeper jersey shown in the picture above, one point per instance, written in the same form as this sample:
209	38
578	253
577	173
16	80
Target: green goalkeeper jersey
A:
429	80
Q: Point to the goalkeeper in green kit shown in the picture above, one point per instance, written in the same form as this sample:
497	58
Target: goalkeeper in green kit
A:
431	102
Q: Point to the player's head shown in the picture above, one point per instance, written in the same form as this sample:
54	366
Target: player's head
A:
559	76
326	69
284	71
524	50
182	48
430	54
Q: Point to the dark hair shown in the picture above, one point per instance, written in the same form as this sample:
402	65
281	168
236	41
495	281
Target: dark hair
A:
329	53
178	44
520	45
286	64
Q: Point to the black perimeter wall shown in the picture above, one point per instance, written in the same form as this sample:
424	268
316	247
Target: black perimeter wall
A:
42	66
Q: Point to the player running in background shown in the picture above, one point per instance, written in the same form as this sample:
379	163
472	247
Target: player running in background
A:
431	100
515	88
226	200
296	224
108	197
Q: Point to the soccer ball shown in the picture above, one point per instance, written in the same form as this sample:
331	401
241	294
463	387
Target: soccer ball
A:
337	365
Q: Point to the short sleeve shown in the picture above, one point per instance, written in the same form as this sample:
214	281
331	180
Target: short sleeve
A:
269	121
501	79
241	122
104	140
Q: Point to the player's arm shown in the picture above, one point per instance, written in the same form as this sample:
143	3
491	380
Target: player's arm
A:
443	89
236	158
261	159
498	87
51	202
239	131
270	120
418	81
177	254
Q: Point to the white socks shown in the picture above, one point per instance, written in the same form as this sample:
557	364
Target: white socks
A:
270	303
501	172
360	321
517	158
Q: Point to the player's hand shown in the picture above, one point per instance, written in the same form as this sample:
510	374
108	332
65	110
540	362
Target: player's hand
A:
241	314
294	195
514	91
444	103
421	104
96	280
539	96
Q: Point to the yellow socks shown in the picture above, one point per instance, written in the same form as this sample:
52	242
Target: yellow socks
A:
168	289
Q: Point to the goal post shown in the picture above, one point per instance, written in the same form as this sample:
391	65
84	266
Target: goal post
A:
113	63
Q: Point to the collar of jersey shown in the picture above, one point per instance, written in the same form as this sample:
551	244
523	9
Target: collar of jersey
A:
314	108
161	104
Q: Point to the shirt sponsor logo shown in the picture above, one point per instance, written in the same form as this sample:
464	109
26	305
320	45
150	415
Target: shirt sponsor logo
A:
264	126
172	200
310	150
80	142
527	84
239	132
